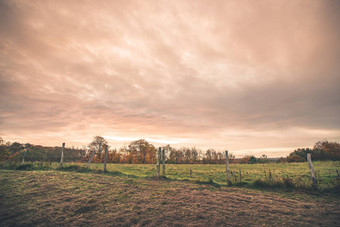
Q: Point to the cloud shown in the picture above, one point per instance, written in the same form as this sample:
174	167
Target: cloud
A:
223	74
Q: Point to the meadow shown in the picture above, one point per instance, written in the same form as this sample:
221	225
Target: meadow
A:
43	194
270	175
40	194
295	174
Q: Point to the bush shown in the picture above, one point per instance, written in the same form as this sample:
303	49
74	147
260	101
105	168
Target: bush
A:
73	168
295	158
25	167
285	183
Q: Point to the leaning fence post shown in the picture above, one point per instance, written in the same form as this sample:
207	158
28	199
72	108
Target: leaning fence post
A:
315	182
89	162
105	159
159	162
227	167
163	160
62	155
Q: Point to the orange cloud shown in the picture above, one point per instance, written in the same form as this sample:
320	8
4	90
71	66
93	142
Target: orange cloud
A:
241	75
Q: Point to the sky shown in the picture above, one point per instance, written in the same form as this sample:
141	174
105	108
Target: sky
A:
252	77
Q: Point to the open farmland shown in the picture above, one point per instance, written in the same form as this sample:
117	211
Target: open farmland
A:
131	195
296	175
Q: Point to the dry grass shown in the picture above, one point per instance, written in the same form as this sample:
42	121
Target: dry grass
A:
41	198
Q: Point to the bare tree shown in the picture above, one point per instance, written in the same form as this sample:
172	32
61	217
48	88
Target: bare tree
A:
97	143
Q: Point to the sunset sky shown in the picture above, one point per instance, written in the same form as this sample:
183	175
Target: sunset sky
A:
253	77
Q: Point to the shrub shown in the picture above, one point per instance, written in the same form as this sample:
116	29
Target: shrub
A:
295	158
25	167
73	168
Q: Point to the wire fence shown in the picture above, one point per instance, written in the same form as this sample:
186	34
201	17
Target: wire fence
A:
326	175
125	155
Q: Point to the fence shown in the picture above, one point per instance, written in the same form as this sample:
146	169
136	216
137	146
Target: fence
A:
237	175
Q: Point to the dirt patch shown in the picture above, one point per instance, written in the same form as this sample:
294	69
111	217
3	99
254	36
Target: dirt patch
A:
67	198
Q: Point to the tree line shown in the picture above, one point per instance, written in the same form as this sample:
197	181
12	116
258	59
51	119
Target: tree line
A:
14	152
137	152
143	152
321	151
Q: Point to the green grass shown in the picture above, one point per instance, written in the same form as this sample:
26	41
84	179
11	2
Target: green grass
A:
283	175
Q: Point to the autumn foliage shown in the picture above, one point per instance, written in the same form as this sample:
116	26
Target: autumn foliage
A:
137	152
143	152
321	151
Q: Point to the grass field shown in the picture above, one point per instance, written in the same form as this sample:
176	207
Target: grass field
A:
297	173
130	198
291	175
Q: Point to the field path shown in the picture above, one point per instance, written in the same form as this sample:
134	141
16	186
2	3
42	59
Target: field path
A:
55	198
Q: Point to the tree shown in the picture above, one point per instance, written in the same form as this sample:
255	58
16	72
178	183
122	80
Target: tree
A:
187	155
97	143
172	154
248	159
263	159
114	156
214	157
141	151
295	158
324	150
220	157
194	155
231	157
16	147
208	156
176	156
252	159
4	151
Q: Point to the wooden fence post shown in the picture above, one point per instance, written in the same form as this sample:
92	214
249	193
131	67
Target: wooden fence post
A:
240	175
163	160
159	162
88	164
105	159
227	167
315	182
62	154
23	158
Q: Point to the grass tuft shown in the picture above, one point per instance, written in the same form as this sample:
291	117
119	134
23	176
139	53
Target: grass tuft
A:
286	183
209	182
73	168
